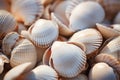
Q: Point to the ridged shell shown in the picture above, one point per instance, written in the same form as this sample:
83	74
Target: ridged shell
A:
7	23
117	19
87	10
91	38
43	33
17	71
42	72
26	11
107	32
67	59
9	42
22	53
102	71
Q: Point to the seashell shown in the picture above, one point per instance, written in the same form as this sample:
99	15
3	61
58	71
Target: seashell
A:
42	72
20	69
3	59
24	52
21	27
26	11
102	71
91	38
9	42
4	5
111	7
7	23
107	32
46	2
43	33
87	10
116	27
67	59
117	19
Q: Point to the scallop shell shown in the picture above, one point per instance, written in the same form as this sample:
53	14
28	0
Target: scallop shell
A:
9	42
91	38
117	19
43	33
67	59
107	32
26	11
102	71
87	10
20	69
3	59
7	23
22	53
42	72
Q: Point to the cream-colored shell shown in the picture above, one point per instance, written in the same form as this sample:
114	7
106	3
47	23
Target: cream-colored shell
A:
27	10
117	19
102	71
91	38
43	33
22	53
67	59
7	23
82	14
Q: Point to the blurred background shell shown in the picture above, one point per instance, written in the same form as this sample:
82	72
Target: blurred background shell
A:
26	11
4	5
117	18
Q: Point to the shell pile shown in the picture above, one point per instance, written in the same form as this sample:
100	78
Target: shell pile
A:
59	39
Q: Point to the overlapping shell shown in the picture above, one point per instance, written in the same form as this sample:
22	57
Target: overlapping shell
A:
7	23
26	11
91	38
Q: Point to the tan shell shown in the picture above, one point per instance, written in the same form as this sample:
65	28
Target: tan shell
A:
22	53
87	10
102	71
7	23
26	11
117	19
67	59
91	38
43	33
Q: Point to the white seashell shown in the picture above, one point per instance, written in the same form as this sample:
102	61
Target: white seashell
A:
43	33
116	27
7	23
91	38
117	19
22	53
26	11
67	59
42	72
87	11
102	71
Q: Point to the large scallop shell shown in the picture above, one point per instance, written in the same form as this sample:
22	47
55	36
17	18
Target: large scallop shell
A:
91	38
22	53
87	10
43	33
117	19
67	59
102	71
26	11
7	23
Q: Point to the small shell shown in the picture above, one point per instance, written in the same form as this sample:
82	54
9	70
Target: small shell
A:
67	59
26	11
91	38
22	53
102	71
7	23
117	19
42	72
107	32
43	33
87	10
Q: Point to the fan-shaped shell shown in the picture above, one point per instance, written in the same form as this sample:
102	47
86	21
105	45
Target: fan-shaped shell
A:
22	53
117	19
42	72
26	11
82	14
67	59
7	23
91	38
43	33
102	71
